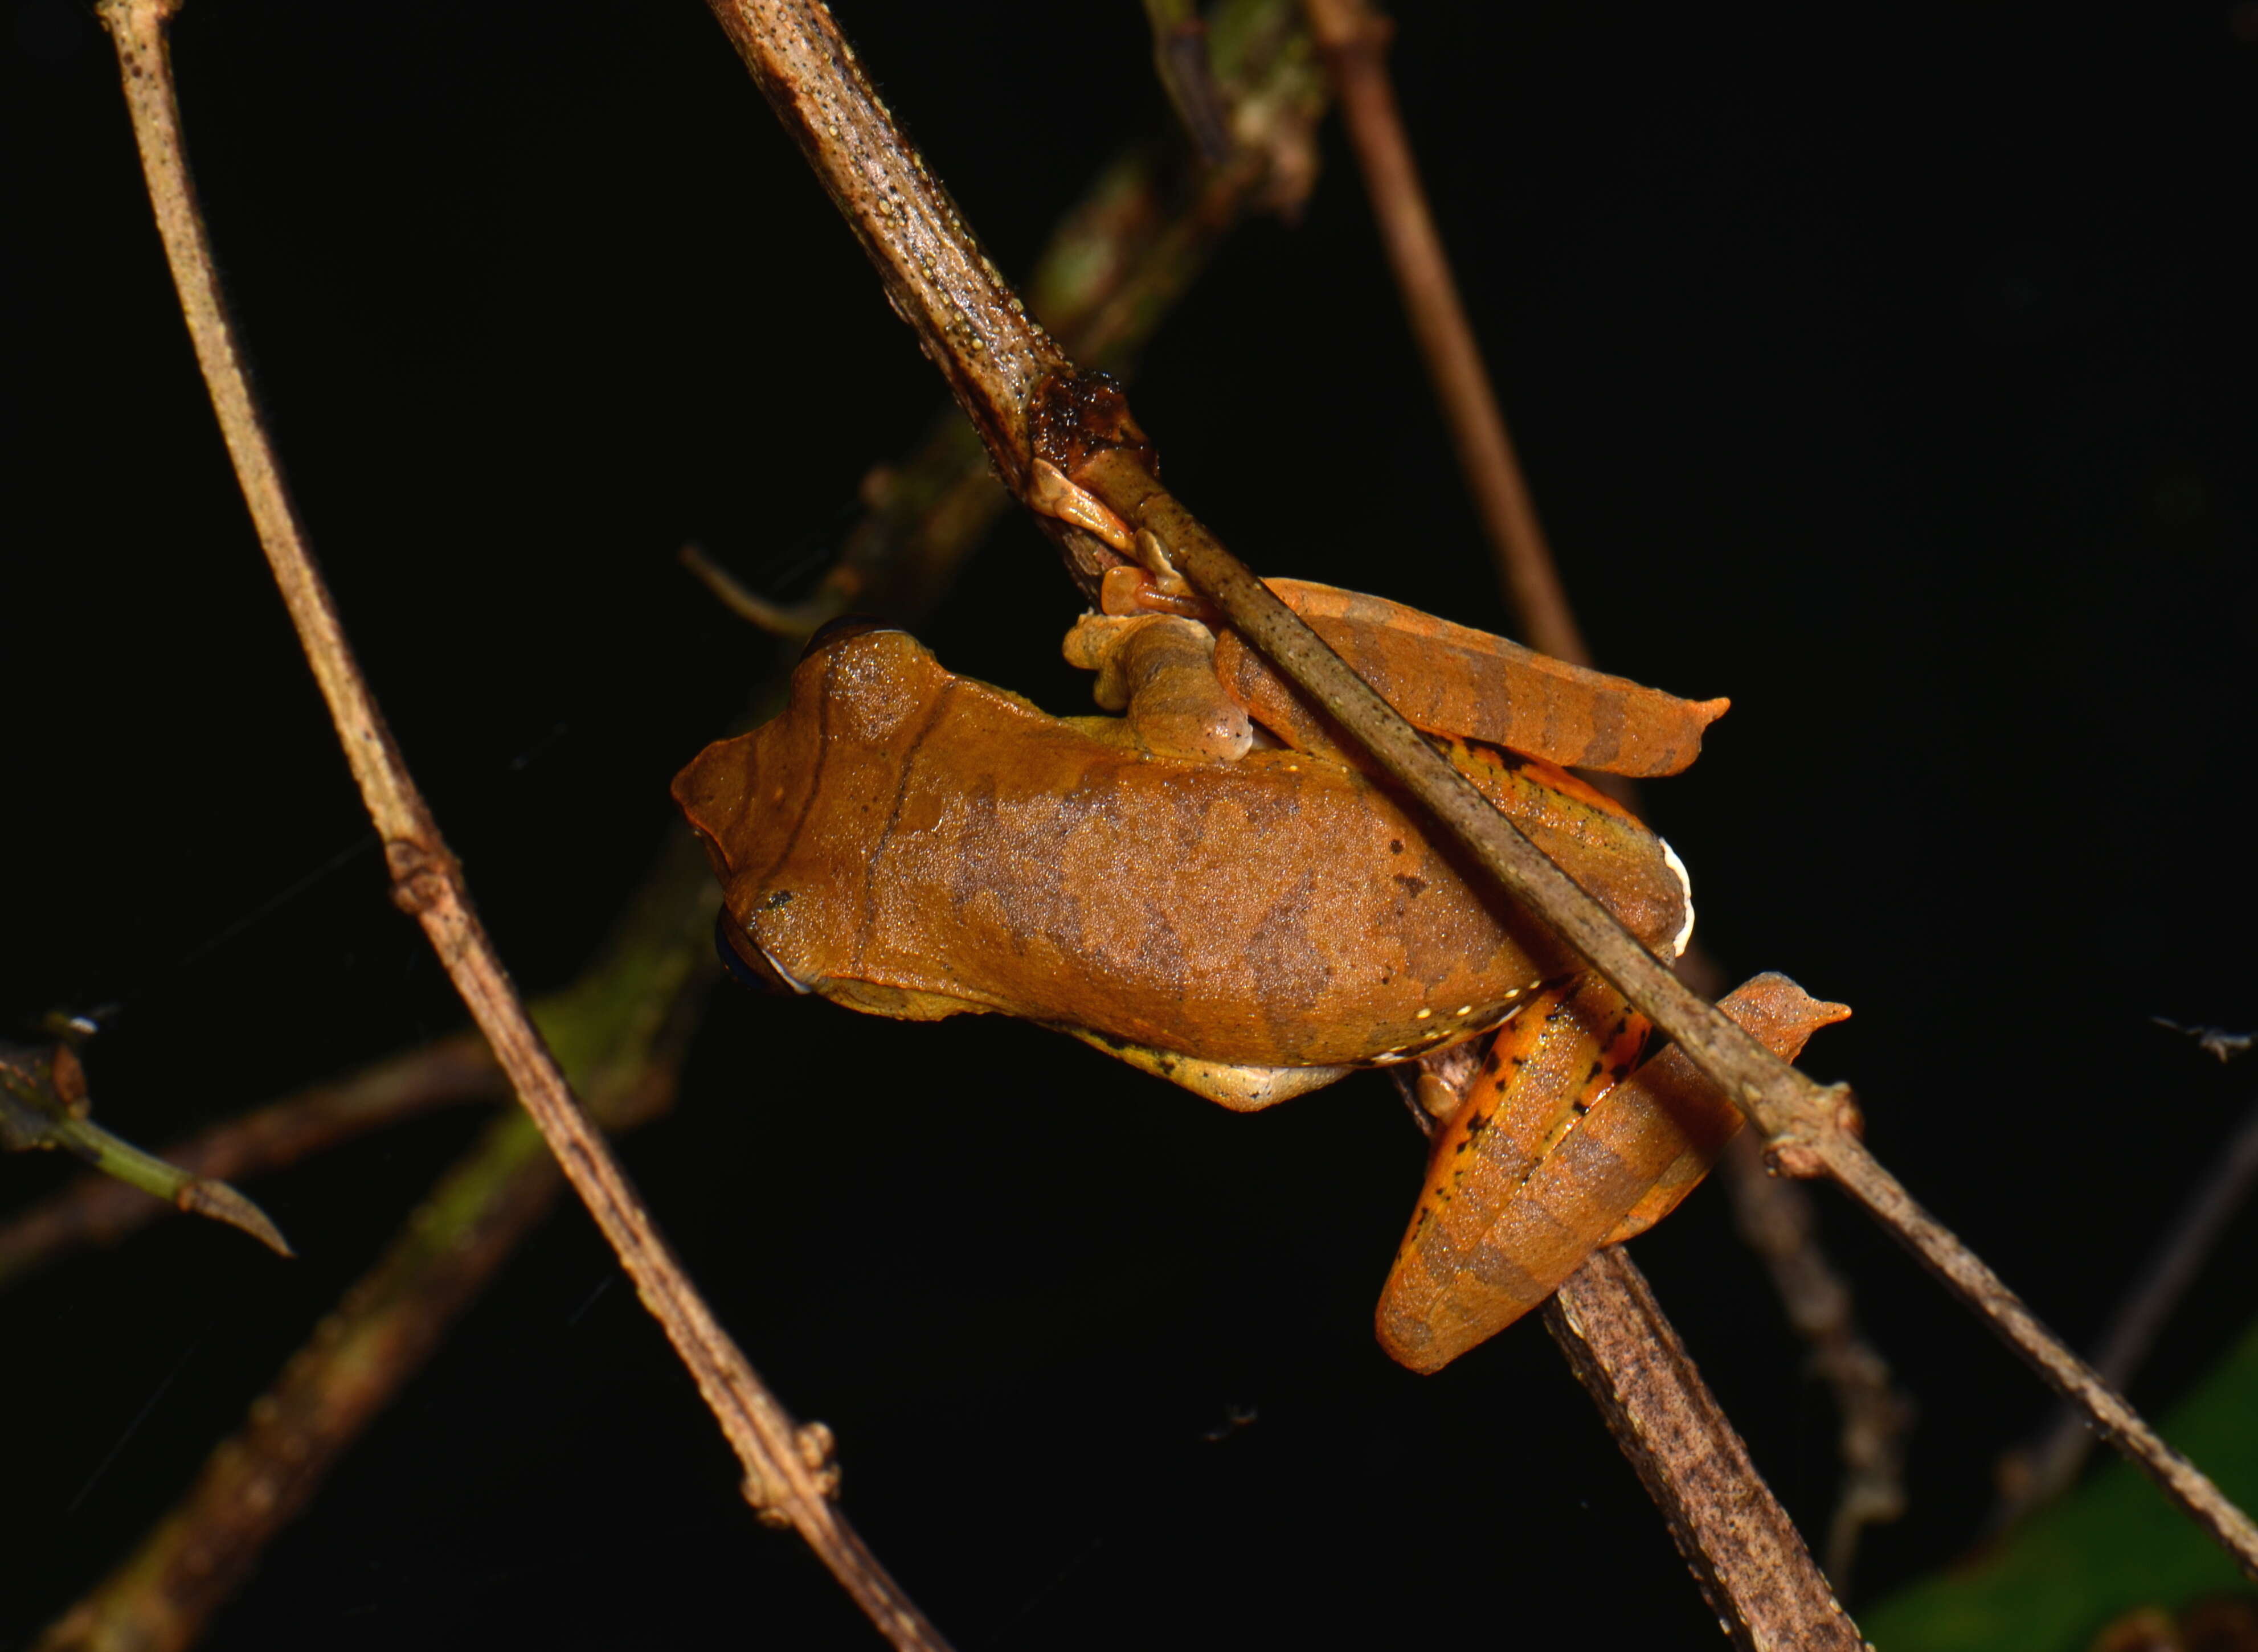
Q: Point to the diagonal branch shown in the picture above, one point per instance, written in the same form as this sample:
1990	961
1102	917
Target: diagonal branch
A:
1115	266
1751	1565
1088	475
786	1472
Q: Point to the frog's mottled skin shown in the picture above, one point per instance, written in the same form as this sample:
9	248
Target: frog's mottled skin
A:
1216	887
911	843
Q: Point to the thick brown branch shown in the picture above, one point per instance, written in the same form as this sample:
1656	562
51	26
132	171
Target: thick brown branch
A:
782	1474
969	322
1354	38
1745	1552
1112	271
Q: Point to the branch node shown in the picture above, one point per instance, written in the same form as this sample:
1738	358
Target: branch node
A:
818	1449
1799	1161
424	875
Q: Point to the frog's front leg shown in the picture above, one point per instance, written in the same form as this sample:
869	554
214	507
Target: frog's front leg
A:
1161	670
1550	1157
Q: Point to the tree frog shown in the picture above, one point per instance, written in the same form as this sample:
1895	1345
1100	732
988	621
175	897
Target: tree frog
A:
1213	887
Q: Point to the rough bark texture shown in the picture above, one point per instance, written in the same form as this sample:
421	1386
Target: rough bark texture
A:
1753	1569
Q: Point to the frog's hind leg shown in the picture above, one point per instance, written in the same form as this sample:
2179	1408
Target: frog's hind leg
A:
1243	1089
1675	1105
1493	1239
1479	1254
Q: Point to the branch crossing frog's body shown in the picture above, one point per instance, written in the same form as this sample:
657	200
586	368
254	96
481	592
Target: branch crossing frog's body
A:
1213	888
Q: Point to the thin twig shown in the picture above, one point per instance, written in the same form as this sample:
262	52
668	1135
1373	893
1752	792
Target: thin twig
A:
785	1464
1745	1554
94	1211
1354	38
2045	1469
1085	471
1115	266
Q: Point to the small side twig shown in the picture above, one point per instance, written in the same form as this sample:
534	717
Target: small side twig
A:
1085	473
2045	1469
1353	37
1745	1554
44	1107
785	1464
96	1211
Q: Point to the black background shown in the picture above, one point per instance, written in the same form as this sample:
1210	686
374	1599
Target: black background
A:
1888	371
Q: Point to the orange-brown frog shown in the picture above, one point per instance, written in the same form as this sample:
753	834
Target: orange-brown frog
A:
1217	889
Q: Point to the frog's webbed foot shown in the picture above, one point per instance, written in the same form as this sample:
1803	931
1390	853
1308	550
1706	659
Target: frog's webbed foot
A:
1161	670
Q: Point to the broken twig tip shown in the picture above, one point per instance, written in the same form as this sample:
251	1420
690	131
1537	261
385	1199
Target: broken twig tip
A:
204	1197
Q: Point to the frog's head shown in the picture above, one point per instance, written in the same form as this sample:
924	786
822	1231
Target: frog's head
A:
777	810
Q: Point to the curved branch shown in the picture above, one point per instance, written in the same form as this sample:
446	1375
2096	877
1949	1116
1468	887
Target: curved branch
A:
786	1464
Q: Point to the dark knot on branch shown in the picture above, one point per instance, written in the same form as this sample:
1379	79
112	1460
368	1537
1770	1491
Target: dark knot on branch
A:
422	875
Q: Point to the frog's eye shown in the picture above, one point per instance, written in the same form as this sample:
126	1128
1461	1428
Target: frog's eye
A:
747	962
832	632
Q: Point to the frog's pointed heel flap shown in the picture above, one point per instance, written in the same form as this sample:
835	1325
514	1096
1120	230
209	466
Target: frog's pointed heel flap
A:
1535	1172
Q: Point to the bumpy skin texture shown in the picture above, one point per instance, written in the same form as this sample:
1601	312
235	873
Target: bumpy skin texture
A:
912	843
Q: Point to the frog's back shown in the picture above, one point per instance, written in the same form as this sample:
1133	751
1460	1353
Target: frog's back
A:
911	843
